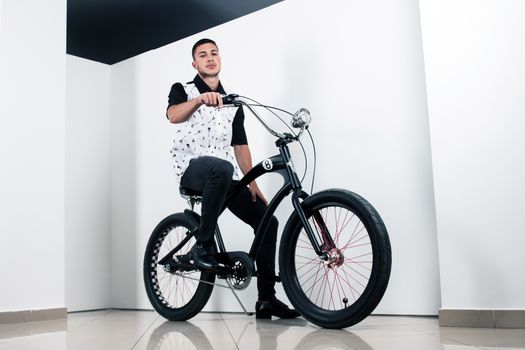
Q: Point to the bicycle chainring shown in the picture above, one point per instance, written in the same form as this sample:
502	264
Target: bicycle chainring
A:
240	272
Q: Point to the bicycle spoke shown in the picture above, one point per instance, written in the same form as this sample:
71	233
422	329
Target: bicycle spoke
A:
336	238
352	277
352	288
313	267
315	279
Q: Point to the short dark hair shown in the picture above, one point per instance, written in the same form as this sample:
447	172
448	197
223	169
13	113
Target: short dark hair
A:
199	43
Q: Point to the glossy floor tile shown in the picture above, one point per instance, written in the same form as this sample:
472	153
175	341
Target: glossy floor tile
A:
145	330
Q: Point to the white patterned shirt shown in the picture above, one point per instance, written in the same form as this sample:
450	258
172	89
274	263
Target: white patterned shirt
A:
210	131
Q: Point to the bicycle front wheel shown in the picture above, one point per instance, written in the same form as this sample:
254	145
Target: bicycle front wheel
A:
345	285
180	291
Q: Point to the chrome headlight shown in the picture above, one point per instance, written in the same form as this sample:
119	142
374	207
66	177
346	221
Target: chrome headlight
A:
301	118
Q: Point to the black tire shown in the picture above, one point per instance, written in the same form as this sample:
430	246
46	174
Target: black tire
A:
343	291
174	297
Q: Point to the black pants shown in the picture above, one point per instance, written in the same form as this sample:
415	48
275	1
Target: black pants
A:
213	177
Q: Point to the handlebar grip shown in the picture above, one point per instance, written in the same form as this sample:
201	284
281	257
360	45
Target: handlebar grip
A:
230	99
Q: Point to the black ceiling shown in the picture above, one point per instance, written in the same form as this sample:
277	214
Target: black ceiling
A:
110	31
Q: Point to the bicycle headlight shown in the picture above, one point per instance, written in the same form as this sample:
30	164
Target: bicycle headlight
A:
301	118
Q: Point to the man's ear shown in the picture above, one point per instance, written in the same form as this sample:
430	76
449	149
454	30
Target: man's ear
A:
193	64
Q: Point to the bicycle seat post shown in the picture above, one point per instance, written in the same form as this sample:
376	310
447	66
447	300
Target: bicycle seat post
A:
192	200
193	197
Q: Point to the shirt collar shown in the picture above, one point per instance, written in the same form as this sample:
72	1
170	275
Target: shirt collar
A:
203	87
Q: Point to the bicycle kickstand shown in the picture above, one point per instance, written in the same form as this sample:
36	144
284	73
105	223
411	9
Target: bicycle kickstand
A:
239	300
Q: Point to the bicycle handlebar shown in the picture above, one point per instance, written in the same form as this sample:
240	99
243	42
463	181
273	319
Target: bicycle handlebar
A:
301	119
229	99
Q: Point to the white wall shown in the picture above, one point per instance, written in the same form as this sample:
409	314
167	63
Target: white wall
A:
475	67
32	132
1	19
87	216
357	66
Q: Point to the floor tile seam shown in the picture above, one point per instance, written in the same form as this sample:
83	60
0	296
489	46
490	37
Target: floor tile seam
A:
88	322
229	331
144	333
439	339
427	333
458	342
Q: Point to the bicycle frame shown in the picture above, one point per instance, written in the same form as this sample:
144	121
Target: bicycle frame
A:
281	164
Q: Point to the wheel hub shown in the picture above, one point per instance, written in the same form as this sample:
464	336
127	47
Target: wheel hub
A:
335	258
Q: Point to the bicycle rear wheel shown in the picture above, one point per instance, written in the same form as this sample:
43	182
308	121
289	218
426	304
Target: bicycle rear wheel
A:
180	291
346	287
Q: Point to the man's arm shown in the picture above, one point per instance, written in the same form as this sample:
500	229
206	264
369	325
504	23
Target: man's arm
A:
181	112
244	159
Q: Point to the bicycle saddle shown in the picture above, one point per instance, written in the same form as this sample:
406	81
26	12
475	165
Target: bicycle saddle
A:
188	192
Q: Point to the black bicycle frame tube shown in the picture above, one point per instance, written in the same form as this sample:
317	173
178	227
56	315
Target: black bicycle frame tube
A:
274	164
282	165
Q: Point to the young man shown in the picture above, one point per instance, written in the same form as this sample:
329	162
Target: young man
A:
208	137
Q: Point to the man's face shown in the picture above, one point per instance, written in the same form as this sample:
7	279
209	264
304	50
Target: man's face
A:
207	60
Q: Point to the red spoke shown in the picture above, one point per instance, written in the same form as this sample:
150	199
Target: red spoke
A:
316	273
306	257
315	279
356	240
331	292
348	282
352	277
352	289
316	225
324	289
360	264
312	261
307	241
306	271
338	291
359	256
336	240
336	225
346	224
359	245
323	277
353	235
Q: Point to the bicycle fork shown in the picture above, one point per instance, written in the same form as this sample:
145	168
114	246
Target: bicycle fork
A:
327	242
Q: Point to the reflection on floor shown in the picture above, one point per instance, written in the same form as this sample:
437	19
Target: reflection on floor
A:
116	329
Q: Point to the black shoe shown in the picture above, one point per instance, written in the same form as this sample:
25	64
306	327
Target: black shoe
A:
274	307
202	256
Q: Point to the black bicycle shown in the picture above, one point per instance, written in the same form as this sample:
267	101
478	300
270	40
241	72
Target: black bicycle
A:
334	255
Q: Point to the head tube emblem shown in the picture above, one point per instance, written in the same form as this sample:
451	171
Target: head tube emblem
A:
267	164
